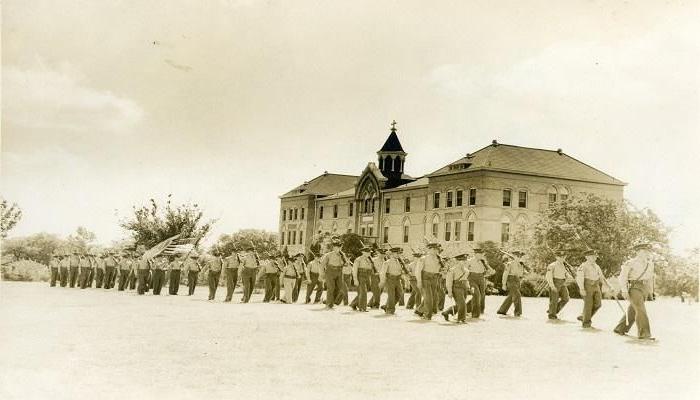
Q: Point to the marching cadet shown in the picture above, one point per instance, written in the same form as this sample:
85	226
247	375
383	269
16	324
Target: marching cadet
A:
110	270
279	263
313	271
479	270
269	273
332	267
53	269
378	260
415	298
133	269
74	264
124	264
213	266
174	265
442	289
343	295
589	278
143	266
99	270
84	271
91	268
636	279
512	274
389	277
427	272
362	270
300	267
556	279
63	268
290	277
160	264
231	265
457	288
191	269
250	262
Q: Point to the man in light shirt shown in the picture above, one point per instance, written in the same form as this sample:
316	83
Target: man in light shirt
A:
231	265
589	278
313	272
479	270
636	278
362	270
512	274
457	283
556	279
415	298
389	278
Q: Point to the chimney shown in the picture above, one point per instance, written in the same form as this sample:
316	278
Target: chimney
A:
560	151
494	143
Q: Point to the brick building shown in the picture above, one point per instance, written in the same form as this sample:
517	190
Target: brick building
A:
487	195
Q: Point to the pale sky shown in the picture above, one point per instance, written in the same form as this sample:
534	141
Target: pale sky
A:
231	103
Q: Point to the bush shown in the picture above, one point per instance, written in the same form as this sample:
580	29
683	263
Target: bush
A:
25	270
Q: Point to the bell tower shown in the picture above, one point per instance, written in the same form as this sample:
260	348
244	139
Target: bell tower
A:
391	158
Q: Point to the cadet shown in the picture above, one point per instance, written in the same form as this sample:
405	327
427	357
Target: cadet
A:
53	269
124	265
192	268
479	269
415	298
378	260
332	265
389	276
231	265
300	267
457	288
63	266
110	270
175	267
269	272
589	278
636	278
74	264
512	274
133	269
160	264
290	277
99	270
312	276
250	263
213	265
362	269
556	279
143	266
345	288
427	272
84	271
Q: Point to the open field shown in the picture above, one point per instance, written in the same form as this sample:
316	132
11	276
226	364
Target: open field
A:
73	344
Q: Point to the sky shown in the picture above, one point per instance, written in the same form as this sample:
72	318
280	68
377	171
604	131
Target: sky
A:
229	104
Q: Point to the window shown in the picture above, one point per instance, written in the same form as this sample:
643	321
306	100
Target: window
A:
459	198
405	233
371	231
506	197
435	228
362	230
448	199
365	206
448	231
301	236
458	229
350	209
335	211
472	197
564	197
387	206
436	200
505	232
385	236
407	204
522	199
552	198
381	163
302	213
563	194
296	213
294	237
282	238
284	215
320	212
470	231
373	201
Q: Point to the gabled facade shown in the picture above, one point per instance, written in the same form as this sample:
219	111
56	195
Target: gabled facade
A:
487	195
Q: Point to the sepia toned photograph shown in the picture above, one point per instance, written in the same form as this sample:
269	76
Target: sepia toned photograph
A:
306	199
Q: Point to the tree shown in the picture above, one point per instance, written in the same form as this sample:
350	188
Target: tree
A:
82	239
588	221
38	247
152	223
10	215
263	241
351	245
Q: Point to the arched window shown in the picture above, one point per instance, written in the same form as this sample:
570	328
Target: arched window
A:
435	226
552	195
471	227
397	164
385	233
381	163
521	223
388	163
505	229
406	229
563	193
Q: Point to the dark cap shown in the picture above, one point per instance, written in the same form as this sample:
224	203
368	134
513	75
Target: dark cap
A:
397	250
590	252
433	245
366	249
518	253
642	246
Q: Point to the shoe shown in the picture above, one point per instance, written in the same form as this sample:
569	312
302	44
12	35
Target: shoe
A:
446	316
553	317
383	308
461	321
651	338
580	318
586	326
500	313
354	308
418	313
620	332
307	302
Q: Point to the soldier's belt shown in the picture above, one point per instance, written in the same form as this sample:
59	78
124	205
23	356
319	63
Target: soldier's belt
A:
290	277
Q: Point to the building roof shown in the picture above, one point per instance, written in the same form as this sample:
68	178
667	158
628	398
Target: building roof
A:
345	193
420	182
526	160
323	185
392	143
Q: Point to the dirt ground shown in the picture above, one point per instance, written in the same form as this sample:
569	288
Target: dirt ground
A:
74	344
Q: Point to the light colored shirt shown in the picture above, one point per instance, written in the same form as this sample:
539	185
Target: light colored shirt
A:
232	261
160	263
191	265
125	263
513	268
64	263
142	263
590	271
638	268
53	263
214	264
332	259
270	266
430	263
290	270
250	261
458	273
479	265
74	261
555	270
175	265
85	262
313	266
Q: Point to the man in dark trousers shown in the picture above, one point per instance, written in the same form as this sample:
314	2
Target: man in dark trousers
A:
174	266
231	265
362	270
479	270
378	260
213	264
250	263
53	268
312	276
513	272
143	266
192	268
332	267
160	264
74	268
110	269
636	282
63	268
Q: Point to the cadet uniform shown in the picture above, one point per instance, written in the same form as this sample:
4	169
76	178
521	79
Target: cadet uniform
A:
457	288
374	280
214	265
160	264
362	269
270	273
415	298
479	269
99	271
110	266
231	265
53	268
63	267
84	271
312	275
74	264
192	269
512	274
558	292
124	266
290	277
589	277
389	277
250	263
636	278
345	288
132	271
174	266
299	266
427	272
143	266
442	290
332	266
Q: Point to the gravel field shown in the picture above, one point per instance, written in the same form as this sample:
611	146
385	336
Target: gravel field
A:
62	343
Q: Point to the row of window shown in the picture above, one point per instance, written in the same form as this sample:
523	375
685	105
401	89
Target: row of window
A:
455	198
292	214
291	237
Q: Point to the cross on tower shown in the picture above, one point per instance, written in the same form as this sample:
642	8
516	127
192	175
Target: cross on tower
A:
393	126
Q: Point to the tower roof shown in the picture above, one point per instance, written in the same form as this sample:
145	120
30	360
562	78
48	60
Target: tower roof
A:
392	142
